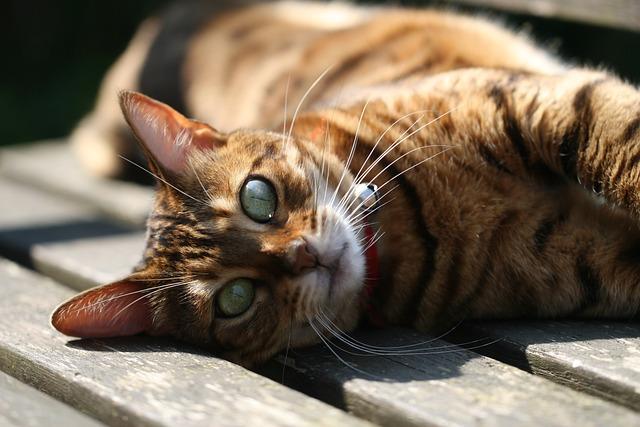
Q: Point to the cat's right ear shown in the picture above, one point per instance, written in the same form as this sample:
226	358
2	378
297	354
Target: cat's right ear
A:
166	136
114	310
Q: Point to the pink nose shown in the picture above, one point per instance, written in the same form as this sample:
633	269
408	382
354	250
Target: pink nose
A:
303	256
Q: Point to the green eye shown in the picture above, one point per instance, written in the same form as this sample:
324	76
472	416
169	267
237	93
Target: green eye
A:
258	199
236	297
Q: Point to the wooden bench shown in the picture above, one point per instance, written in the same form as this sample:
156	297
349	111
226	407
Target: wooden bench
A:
69	232
619	14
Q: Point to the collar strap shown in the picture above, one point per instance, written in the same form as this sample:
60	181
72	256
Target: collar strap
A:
371	281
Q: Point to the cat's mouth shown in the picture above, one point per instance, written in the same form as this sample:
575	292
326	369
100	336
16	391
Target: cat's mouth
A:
334	270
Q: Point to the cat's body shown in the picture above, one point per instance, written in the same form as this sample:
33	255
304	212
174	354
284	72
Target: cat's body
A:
487	190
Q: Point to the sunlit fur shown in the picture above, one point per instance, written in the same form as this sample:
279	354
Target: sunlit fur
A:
509	181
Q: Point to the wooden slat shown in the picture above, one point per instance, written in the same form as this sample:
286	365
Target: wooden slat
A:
52	166
457	388
24	406
602	358
137	381
443	387
58	235
623	14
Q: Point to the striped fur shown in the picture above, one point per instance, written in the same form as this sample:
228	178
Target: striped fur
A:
527	206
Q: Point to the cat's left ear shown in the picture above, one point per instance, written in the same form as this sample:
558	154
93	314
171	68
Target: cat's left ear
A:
166	136
114	310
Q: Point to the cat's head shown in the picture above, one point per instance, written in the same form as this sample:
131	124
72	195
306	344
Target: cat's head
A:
247	241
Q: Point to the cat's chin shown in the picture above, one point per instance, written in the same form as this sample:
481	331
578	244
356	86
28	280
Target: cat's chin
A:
346	276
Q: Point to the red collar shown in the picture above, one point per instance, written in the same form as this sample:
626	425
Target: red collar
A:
371	281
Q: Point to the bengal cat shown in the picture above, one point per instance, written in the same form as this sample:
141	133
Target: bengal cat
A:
403	167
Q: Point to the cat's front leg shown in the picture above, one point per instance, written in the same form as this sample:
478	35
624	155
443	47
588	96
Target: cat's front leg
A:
582	125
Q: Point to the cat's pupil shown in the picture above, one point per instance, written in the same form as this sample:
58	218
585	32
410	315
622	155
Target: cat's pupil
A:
235	298
258	199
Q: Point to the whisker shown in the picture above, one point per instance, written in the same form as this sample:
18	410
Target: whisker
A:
286	353
304	97
163	180
146	290
374	240
448	147
367	214
395	144
353	216
358	178
344	362
401	139
351	153
416	165
195	172
402	350
385	132
155	291
163	278
418	344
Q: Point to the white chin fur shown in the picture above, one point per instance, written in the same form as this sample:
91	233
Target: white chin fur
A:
336	289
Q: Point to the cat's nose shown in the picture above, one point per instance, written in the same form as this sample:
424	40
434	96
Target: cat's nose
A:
303	256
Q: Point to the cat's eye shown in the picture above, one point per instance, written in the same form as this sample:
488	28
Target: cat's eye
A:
235	297
258	199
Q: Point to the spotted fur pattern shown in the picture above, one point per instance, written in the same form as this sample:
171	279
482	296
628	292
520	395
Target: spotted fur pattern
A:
513	191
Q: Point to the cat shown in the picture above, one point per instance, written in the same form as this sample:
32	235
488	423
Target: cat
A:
364	164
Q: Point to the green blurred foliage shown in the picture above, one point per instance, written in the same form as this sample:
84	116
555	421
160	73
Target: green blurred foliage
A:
57	51
55	55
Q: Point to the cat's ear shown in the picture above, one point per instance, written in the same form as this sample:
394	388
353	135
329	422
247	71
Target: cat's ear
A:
114	310
167	136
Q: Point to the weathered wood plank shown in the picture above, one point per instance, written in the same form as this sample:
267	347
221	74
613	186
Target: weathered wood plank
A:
24	406
601	358
443	387
459	388
137	381
57	235
51	166
613	13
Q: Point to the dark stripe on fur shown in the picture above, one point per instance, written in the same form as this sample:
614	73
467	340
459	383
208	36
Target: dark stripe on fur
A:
497	95
545	230
543	174
629	163
488	157
627	167
589	283
464	307
513	131
451	288
630	254
631	131
350	63
576	138
510	123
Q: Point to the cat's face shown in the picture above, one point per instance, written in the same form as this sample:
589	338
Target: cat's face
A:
247	241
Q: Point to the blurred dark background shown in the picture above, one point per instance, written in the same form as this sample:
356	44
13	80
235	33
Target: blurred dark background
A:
57	51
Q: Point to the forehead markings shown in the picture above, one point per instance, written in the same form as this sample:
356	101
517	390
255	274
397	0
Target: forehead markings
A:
202	289
222	206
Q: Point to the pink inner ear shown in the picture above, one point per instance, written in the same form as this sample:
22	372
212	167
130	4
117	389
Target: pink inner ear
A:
114	310
167	134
